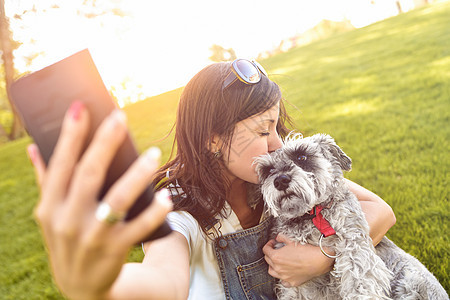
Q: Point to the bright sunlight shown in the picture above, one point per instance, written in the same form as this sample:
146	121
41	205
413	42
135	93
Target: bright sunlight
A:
144	48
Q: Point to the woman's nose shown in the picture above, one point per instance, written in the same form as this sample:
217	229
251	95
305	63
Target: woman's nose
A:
274	142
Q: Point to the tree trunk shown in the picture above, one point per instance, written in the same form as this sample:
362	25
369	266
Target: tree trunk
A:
399	7
17	129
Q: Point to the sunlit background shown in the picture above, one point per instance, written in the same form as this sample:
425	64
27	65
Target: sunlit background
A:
144	48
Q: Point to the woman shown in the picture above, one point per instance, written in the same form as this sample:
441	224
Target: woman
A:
228	115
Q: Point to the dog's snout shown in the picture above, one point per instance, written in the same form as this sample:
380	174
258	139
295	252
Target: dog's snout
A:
281	183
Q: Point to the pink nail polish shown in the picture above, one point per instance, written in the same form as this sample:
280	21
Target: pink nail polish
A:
31	153
75	110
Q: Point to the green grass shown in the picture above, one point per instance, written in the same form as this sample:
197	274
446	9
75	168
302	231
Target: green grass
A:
382	91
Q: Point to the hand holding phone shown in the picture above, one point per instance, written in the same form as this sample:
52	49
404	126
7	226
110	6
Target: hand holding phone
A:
42	99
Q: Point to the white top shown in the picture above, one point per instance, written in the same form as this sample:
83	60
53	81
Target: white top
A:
205	280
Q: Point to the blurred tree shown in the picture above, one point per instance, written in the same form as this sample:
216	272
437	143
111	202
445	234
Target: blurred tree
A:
219	53
399	6
6	46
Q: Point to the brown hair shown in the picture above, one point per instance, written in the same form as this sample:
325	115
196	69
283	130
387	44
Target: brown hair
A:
205	110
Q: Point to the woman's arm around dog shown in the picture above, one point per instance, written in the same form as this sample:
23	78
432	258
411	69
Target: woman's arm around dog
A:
379	215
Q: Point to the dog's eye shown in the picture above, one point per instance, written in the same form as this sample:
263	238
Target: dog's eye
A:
266	171
302	158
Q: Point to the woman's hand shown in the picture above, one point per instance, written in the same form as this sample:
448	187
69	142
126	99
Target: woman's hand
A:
295	264
87	254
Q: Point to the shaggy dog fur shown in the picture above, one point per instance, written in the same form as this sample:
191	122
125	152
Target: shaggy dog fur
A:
307	172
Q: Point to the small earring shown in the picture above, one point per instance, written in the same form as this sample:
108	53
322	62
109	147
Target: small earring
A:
217	154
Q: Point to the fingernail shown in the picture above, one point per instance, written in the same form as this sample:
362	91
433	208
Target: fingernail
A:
76	109
119	116
31	150
153	154
163	197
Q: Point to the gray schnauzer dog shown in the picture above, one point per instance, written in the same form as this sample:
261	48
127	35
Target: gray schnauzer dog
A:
304	190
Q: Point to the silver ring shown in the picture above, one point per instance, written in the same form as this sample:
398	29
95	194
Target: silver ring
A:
323	251
105	214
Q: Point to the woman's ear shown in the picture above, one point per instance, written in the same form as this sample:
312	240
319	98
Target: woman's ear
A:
215	146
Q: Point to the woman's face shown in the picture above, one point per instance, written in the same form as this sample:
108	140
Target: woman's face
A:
252	137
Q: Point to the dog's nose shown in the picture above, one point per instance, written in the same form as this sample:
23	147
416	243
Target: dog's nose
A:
282	182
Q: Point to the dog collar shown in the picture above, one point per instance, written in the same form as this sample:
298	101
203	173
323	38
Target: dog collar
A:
320	222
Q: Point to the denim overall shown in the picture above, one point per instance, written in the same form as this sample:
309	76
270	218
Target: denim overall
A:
242	266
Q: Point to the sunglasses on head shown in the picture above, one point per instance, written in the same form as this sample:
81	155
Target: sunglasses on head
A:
249	72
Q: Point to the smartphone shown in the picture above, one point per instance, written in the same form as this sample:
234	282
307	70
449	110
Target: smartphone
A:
42	99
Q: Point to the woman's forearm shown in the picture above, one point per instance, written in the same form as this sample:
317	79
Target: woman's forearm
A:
379	214
138	281
163	274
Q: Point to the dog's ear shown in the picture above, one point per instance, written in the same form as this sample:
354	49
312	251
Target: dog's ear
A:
328	144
